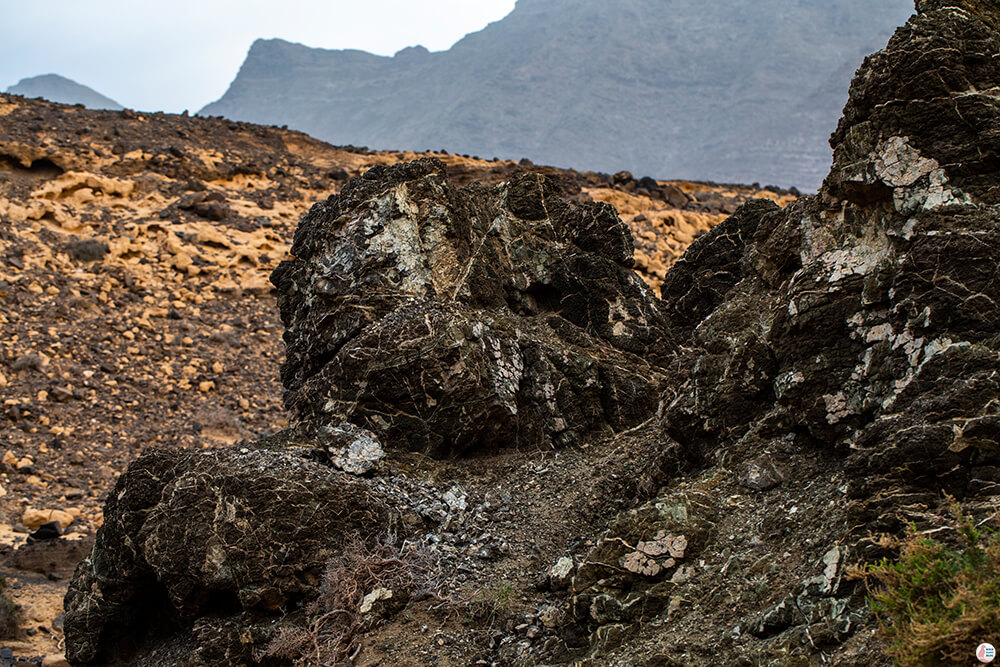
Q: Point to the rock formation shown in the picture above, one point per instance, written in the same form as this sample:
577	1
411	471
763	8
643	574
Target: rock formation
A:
876	300
824	371
448	320
735	92
134	265
134	261
195	552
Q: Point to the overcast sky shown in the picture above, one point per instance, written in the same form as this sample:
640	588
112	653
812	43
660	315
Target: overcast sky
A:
182	54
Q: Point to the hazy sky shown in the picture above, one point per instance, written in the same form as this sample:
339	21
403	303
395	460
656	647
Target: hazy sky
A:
182	54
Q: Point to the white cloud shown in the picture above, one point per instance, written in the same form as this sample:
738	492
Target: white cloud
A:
183	54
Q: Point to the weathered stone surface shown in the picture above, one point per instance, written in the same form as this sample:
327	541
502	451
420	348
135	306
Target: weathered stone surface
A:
448	320
352	449
711	266
636	566
191	536
867	316
760	474
847	343
418	316
859	325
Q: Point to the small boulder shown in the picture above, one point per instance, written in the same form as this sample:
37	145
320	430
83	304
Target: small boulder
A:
34	518
87	250
50	530
760	474
478	318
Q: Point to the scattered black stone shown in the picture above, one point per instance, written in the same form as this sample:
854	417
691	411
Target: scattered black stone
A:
87	250
47	531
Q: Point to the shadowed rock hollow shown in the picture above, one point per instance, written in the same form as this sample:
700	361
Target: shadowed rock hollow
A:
832	367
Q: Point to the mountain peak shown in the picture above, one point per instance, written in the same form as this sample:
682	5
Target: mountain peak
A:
742	93
418	51
56	88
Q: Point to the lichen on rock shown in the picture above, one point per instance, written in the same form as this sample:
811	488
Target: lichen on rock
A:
850	305
447	320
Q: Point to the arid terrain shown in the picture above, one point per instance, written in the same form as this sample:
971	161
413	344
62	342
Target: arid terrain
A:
135	251
297	404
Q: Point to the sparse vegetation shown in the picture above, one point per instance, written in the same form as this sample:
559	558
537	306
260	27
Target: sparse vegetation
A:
492	602
937	601
334	618
498	596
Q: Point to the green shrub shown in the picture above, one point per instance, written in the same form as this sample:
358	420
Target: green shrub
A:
937	602
491	603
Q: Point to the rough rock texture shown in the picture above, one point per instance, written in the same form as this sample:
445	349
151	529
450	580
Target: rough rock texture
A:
866	318
121	299
447	320
850	337
204	535
711	266
827	370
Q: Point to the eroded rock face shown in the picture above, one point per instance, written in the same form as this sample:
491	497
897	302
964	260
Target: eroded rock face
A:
203	537
866	319
448	320
858	328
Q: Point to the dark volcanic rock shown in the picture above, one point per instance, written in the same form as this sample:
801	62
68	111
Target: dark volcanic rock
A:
87	250
838	359
858	329
446	320
208	205
199	537
866	319
711	266
441	320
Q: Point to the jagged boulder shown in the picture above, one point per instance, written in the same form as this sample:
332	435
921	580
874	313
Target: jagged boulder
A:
712	265
865	319
447	320
195	541
858	330
418	316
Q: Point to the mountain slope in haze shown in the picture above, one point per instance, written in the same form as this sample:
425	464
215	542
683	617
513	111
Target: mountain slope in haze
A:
57	88
738	91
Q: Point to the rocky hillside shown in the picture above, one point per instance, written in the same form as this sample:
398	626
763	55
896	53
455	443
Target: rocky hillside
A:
738	91
504	449
135	251
57	88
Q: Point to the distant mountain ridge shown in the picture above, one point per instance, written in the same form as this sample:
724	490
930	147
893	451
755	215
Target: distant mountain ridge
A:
738	91
56	88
